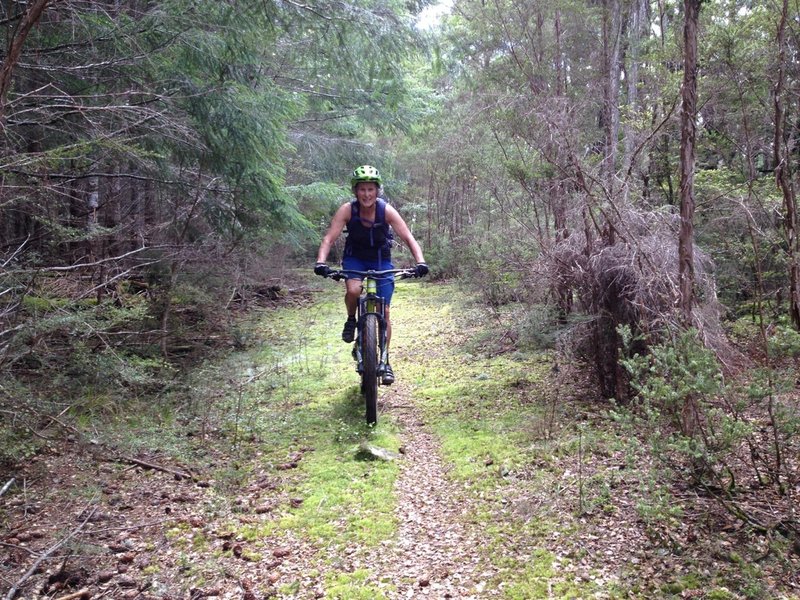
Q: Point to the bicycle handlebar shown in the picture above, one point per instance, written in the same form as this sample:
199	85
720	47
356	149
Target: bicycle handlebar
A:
401	273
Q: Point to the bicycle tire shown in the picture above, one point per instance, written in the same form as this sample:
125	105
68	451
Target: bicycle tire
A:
369	374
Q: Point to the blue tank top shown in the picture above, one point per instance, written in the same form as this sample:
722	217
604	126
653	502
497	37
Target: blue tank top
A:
369	240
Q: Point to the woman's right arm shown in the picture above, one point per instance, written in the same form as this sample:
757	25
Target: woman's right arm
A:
334	231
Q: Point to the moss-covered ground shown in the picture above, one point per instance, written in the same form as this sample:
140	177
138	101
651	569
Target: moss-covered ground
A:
284	504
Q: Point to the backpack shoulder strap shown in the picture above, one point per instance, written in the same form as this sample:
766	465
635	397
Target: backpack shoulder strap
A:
354	216
380	220
380	212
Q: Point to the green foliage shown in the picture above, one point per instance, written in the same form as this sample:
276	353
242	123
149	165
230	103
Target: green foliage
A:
16	446
352	586
538	328
317	202
681	377
657	507
784	342
673	372
445	257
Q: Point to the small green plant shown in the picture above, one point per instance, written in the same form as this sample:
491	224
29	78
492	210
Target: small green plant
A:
784	342
679	389
352	586
538	328
657	506
673	373
16	445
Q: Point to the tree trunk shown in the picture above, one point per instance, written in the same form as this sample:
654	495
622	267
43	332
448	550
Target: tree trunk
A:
611	52
688	134
783	173
561	85
689	422
638	16
29	19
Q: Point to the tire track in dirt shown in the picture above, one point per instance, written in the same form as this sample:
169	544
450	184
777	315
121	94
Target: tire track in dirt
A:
436	552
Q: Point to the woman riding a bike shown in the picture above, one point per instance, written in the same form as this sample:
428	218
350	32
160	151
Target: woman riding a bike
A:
370	223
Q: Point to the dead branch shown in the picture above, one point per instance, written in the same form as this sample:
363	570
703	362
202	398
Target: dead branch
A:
121	457
18	547
82	593
15	588
8	484
16	252
126	528
90	264
156	467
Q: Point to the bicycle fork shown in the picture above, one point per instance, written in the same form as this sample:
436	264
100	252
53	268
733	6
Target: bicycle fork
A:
358	355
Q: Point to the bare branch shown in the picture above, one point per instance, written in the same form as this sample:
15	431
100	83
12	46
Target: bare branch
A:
16	252
15	588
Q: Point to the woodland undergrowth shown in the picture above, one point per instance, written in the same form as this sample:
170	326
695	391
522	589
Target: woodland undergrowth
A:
251	457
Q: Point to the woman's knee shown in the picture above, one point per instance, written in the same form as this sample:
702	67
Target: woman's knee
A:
353	288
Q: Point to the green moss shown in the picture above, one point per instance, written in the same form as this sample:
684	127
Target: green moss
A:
251	556
351	586
178	530
199	542
345	500
538	578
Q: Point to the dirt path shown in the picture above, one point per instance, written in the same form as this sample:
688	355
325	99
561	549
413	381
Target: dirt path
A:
436	551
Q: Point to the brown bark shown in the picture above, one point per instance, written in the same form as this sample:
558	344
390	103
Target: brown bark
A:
688	134
561	86
29	19
783	173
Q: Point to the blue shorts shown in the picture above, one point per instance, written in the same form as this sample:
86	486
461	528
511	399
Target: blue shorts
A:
385	283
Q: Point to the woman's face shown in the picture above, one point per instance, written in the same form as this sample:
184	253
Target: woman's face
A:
366	193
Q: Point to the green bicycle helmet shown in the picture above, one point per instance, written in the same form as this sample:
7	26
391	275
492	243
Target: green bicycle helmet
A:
365	173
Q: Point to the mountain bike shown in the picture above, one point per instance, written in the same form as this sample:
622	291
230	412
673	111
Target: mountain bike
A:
369	348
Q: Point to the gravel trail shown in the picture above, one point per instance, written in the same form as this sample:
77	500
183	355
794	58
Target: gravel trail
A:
437	552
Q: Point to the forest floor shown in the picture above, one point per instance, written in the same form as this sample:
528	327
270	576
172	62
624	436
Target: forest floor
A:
500	476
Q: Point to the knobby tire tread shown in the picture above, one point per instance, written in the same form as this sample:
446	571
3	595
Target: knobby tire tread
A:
369	377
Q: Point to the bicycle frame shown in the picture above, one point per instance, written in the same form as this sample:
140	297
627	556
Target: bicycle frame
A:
371	354
371	303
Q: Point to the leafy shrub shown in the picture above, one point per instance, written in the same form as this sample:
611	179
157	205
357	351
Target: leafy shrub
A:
673	372
538	328
445	258
680	380
784	342
16	446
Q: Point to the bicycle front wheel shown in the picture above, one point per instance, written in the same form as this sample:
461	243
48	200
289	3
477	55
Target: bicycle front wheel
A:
369	375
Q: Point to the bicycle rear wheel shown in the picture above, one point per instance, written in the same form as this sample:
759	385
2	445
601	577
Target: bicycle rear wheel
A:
369	375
